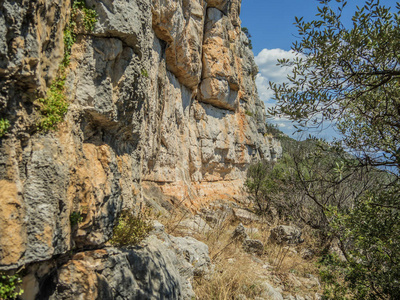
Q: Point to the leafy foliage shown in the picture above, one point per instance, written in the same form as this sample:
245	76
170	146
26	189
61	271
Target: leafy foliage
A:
54	106
4	125
249	113
9	286
83	19
259	184
350	76
144	73
131	229
75	218
245	30
89	15
373	260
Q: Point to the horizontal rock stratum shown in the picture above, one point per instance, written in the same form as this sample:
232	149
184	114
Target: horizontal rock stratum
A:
162	106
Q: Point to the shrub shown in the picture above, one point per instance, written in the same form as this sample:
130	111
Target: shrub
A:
144	73
249	113
54	106
9	286
247	33
131	229
75	218
85	23
4	125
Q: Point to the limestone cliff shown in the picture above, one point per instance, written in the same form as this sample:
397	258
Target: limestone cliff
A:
162	101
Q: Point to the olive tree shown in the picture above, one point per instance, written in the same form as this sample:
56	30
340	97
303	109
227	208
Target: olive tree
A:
351	76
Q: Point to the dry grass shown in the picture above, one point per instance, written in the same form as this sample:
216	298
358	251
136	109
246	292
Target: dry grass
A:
238	273
173	219
230	278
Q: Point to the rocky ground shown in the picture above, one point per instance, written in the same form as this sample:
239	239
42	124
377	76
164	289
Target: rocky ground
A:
251	258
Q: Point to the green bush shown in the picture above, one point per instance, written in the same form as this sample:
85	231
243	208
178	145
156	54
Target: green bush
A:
89	15
247	33
54	106
131	229
249	113
75	218
88	21
144	73
9	286
4	125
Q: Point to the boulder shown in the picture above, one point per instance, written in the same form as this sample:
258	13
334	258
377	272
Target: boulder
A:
245	216
286	234
269	292
194	225
239	234
253	246
195	252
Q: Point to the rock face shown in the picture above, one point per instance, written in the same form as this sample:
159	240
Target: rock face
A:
161	269
162	100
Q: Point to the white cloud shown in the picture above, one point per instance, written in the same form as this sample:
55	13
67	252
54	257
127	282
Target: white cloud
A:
269	71
267	60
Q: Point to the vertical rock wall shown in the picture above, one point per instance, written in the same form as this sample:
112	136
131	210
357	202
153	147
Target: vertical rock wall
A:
162	101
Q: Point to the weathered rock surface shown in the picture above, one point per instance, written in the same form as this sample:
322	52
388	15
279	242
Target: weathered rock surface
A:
239	234
245	216
253	246
269	292
161	269
157	94
286	234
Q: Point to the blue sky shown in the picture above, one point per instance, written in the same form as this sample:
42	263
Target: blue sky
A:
271	25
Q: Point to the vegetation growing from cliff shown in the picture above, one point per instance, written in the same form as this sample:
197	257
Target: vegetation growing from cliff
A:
9	286
54	106
350	76
131	229
4	125
75	218
83	19
245	30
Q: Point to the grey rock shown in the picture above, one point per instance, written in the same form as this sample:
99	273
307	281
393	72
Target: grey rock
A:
307	253
239	234
195	252
157	270
253	246
269	292
286	234
245	216
194	225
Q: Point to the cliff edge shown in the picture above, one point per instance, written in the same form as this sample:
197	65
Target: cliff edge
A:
161	102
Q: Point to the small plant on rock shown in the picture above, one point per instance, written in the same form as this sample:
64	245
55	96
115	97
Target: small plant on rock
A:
75	218
4	125
131	229
9	286
54	106
249	113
